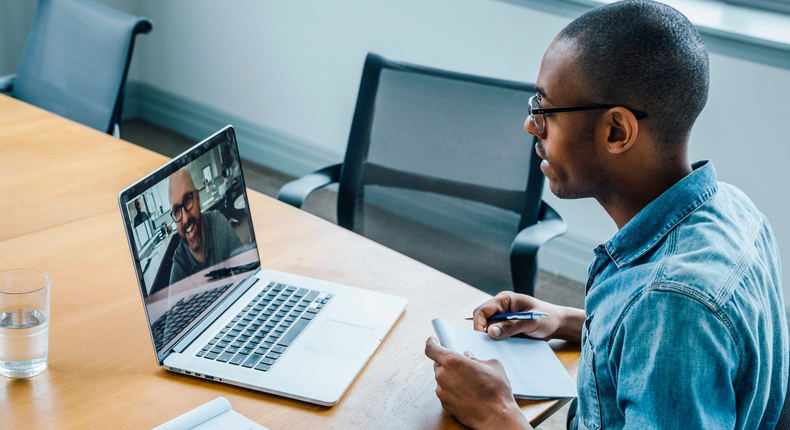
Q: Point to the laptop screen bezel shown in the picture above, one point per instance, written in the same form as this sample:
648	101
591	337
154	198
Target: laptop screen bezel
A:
226	134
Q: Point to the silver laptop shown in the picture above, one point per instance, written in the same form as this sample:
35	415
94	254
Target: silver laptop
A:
214	313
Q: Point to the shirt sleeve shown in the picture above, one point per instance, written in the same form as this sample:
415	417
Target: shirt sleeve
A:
177	272
229	234
675	362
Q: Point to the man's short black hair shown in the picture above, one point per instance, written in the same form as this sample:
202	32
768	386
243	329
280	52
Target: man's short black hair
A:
646	56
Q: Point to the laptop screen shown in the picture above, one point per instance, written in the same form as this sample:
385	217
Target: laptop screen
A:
191	236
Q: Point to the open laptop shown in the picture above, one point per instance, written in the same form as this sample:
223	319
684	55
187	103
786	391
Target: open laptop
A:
214	313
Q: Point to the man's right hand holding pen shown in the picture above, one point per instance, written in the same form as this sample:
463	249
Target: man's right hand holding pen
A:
561	323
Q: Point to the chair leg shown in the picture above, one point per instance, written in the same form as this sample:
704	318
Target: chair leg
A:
570	423
525	275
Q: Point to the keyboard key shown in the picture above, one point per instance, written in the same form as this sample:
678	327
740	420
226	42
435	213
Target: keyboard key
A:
222	344
312	310
323	302
307	316
280	329
294	331
225	357
276	319
278	349
275	335
212	341
237	344
260	351
320	306
201	353
268	361
285	324
328	296
310	296
210	356
291	318
300	292
273	355
216	350
225	330
263	367
278	287
290	289
244	338
246	351
238	359
232	349
252	360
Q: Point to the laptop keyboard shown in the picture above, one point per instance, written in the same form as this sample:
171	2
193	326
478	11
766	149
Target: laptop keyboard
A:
181	314
270	323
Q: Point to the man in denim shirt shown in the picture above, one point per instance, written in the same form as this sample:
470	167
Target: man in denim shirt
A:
684	324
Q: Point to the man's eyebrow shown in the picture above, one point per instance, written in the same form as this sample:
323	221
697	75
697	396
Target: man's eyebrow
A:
542	93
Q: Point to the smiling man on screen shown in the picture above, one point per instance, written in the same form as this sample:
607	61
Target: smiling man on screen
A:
684	323
207	238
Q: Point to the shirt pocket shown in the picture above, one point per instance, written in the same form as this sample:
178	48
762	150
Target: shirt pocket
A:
589	412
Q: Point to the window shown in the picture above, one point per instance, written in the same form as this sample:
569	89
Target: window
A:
782	6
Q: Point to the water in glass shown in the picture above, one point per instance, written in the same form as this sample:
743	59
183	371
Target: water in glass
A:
24	335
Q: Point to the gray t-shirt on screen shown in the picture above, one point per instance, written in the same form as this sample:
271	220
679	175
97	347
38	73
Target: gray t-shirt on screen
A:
221	240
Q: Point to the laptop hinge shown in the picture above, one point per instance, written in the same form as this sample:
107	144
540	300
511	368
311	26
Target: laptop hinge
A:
212	316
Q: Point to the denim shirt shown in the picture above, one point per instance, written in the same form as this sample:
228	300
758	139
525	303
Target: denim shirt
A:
685	319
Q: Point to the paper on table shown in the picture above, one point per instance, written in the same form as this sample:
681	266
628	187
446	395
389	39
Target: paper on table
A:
533	369
214	415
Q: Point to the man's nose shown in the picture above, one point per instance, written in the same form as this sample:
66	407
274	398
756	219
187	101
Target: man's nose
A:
529	126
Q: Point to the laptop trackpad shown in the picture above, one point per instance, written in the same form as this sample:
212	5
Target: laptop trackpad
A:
341	339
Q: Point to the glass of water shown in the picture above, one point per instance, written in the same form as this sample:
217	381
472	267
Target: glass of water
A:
24	323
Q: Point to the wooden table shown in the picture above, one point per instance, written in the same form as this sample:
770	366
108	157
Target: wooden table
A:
59	183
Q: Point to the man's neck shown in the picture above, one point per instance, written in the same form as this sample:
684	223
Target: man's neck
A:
200	254
633	192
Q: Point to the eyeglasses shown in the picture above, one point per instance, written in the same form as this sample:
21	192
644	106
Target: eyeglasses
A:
187	205
535	110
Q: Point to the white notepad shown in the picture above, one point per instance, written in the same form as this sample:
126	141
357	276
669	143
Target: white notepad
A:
214	415
533	369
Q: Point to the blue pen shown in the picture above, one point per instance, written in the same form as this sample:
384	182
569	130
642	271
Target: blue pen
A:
517	316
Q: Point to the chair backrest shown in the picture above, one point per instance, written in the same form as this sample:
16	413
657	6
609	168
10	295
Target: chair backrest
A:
439	167
784	416
76	58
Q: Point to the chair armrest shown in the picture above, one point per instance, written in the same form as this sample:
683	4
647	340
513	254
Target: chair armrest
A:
295	192
524	249
7	83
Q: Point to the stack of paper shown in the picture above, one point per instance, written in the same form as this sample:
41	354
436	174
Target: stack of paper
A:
531	366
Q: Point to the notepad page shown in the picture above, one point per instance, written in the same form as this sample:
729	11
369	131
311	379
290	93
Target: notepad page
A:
230	420
533	369
214	415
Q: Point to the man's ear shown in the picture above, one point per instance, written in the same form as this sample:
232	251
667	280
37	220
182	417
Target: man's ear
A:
621	129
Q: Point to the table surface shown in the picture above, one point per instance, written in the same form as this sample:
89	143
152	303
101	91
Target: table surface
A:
60	182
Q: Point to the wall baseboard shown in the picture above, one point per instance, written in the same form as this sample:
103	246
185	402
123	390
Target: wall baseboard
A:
258	144
567	256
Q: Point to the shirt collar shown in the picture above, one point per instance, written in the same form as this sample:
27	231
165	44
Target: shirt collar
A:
659	217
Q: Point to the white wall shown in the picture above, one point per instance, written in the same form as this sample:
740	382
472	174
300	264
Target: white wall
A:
294	67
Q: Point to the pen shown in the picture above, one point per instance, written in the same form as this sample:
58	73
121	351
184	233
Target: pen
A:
517	316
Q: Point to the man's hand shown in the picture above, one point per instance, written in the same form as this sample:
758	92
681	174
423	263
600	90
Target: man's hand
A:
562	322
476	392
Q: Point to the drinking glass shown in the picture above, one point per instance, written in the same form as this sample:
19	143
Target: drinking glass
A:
24	323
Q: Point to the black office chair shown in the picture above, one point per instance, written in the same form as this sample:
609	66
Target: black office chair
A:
784	417
75	61
439	167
